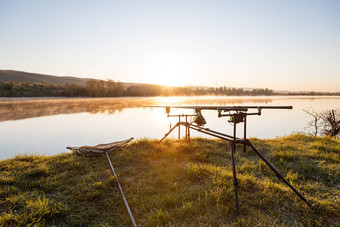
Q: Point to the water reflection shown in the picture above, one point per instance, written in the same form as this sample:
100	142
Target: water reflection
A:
30	108
49	126
22	108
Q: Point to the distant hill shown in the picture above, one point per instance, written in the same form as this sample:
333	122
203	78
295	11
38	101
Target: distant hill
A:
18	76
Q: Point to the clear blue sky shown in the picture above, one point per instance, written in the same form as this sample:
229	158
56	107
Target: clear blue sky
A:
286	45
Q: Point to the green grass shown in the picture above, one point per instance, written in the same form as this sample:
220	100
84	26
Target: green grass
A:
176	184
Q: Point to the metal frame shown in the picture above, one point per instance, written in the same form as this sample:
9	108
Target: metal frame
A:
239	115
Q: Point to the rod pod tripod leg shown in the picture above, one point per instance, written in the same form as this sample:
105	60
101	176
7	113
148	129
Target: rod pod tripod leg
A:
277	173
232	151
169	132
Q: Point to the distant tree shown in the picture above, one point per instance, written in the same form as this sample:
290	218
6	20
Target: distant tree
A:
119	89
92	87
8	85
110	88
74	90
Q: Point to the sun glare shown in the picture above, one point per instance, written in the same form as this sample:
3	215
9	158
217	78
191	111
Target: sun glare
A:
169	74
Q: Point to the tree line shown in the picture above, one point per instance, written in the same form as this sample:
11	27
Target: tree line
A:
110	88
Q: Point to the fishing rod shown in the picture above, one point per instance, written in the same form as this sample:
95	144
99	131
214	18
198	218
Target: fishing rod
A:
236	114
225	108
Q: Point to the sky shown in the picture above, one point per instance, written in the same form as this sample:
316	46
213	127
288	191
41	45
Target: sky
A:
281	45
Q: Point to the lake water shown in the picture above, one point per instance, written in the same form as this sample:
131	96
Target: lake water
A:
48	126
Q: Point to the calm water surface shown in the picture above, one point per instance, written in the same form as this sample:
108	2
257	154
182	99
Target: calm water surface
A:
48	126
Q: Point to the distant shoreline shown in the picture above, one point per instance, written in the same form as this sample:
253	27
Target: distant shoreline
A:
127	97
23	84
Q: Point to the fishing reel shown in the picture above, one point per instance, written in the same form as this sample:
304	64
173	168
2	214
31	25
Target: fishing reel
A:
238	116
199	119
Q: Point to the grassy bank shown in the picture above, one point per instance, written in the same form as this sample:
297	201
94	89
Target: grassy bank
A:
177	184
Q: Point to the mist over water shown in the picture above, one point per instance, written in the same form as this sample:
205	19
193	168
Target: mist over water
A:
48	126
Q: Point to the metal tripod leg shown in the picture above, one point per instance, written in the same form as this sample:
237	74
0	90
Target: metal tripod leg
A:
277	173
121	192
169	132
232	150
188	134
179	127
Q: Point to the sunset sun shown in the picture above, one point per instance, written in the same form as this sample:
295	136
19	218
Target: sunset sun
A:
169	69
169	75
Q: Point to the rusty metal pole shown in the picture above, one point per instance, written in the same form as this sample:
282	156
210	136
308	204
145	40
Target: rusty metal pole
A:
189	134
186	127
233	149
245	133
179	127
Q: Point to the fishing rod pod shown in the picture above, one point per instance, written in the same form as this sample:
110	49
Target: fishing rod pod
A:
236	114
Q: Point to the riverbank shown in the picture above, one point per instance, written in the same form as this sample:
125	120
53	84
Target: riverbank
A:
176	183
